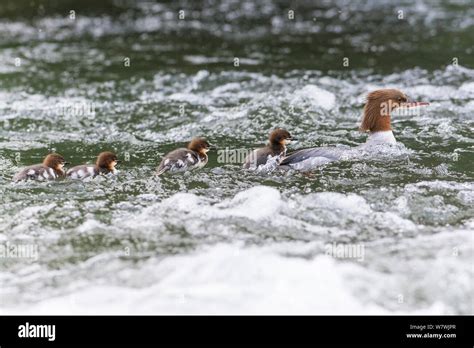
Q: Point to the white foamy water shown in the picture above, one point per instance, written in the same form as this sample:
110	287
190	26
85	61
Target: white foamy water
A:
403	268
226	279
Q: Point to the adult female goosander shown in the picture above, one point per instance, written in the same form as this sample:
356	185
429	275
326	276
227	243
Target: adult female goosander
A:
51	168
183	159
106	162
376	121
278	139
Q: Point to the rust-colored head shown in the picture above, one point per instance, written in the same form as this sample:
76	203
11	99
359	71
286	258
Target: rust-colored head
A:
55	161
379	106
107	160
199	145
280	137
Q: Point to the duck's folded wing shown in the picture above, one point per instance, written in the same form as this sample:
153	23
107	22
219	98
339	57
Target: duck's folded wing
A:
81	172
316	154
26	173
35	172
178	160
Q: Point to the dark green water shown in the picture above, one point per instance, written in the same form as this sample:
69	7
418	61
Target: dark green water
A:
221	239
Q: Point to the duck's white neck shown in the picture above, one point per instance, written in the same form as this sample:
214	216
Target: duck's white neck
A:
381	137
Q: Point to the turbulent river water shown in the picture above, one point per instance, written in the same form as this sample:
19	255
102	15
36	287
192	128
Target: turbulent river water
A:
142	78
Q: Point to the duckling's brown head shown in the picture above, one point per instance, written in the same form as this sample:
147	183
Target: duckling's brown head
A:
55	161
199	145
107	160
280	137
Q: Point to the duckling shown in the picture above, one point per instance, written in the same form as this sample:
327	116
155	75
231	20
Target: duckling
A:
52	168
183	159
106	162
278	139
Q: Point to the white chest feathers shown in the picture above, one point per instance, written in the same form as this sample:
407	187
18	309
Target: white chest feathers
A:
383	137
